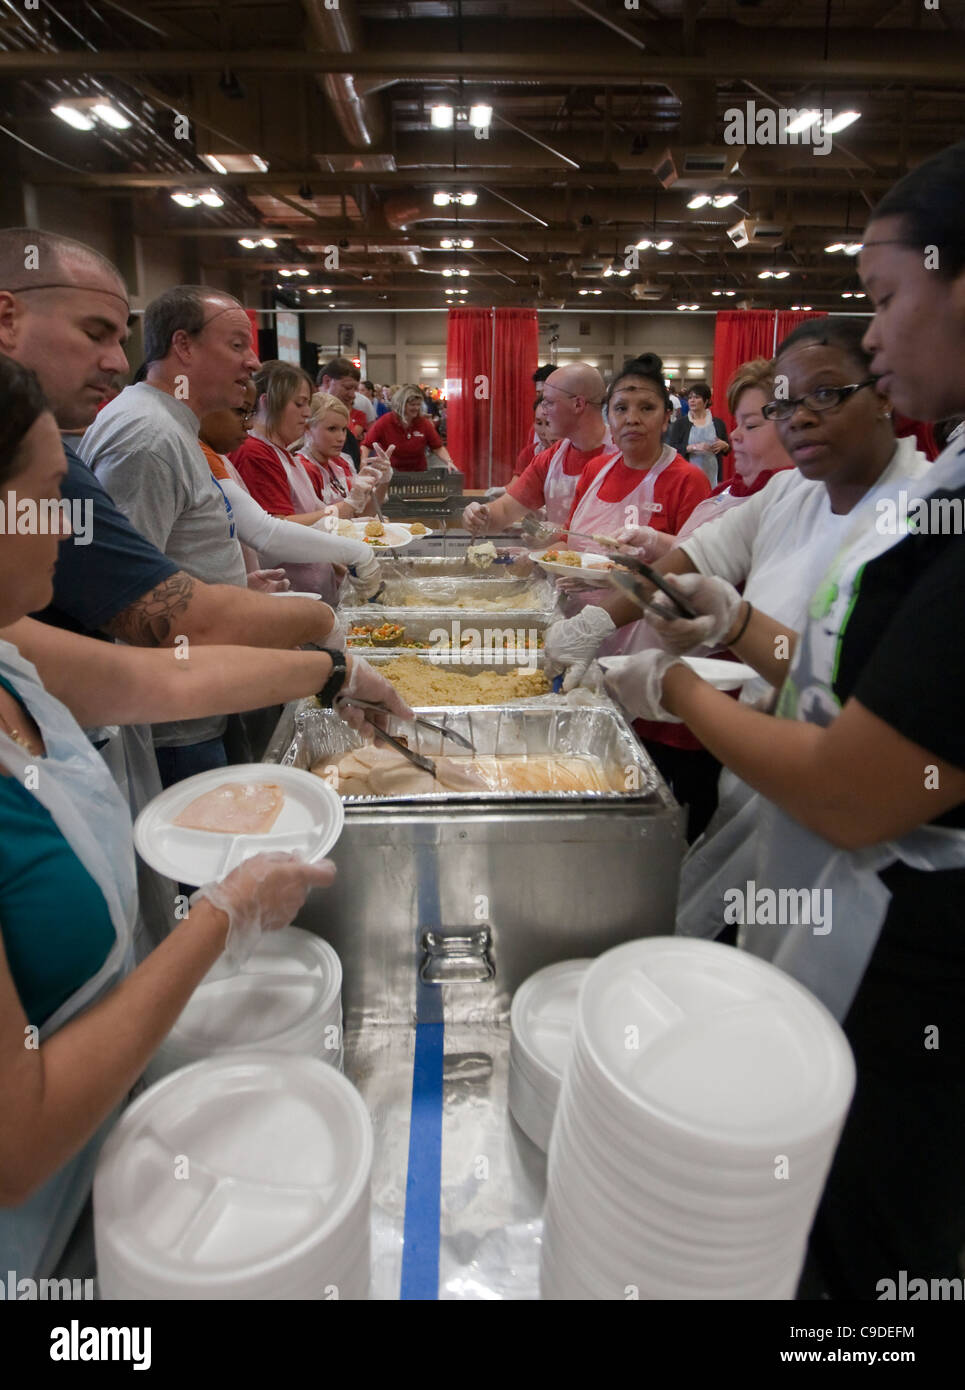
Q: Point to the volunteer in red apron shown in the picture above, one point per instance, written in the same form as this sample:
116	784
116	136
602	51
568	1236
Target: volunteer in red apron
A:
573	403
273	476
347	493
647	482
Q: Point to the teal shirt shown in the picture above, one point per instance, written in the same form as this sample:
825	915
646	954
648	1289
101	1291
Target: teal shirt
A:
56	928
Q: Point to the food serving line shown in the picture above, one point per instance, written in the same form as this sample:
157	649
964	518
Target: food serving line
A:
445	903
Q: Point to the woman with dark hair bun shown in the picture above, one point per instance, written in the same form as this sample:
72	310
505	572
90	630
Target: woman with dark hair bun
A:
862	772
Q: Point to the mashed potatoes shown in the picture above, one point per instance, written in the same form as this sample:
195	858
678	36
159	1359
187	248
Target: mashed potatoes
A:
422	683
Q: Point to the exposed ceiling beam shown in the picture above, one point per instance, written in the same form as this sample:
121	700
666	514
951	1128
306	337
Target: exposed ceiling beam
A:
926	58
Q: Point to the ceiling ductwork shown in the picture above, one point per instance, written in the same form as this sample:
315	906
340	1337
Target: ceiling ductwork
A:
337	31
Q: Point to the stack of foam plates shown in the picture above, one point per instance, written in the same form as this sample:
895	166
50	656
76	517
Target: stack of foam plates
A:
243	1177
286	998
542	1017
698	1117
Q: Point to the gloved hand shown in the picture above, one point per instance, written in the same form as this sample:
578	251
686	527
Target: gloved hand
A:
648	544
337	637
382	460
364	681
261	895
571	643
268	581
475	519
365	575
360	493
718	602
636	682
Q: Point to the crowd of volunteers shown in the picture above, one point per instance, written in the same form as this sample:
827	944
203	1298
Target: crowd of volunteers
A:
217	481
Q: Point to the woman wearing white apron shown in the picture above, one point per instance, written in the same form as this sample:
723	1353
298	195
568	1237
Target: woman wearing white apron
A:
77	1022
573	401
647	482
864	778
346	491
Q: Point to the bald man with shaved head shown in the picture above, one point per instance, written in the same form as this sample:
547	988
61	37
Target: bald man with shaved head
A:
573	400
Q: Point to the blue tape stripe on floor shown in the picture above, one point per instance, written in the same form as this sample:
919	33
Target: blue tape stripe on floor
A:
420	1253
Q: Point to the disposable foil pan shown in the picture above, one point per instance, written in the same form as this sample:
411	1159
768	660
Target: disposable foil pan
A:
457	567
459	594
511	638
596	731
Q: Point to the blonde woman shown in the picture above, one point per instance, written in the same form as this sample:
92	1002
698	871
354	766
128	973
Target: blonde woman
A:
321	452
407	433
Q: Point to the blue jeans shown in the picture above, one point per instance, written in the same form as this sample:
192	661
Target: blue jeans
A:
174	764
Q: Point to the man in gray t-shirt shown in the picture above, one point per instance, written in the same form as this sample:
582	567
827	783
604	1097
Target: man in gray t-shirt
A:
144	449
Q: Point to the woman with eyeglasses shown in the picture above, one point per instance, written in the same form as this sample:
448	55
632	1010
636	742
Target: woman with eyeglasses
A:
268	540
861	776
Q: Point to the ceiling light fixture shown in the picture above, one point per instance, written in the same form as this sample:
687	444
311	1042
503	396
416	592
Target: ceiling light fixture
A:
72	116
301	271
259	163
267	241
664	245
287	273
442	117
441	199
803	121
853	247
211	198
841	121
213	162
106	113
835	246
185	200
480	116
699	200
247	243
724	200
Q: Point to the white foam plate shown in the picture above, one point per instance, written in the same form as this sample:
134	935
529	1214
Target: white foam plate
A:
421	536
294	593
585	570
722	675
395	534
309	824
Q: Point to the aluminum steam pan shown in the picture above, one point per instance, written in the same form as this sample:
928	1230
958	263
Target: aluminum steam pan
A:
483	595
457	567
441	630
597	731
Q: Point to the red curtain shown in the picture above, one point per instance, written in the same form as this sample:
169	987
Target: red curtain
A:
739	336
517	357
491	356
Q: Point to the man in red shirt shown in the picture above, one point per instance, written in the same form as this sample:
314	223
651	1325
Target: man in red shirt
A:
573	403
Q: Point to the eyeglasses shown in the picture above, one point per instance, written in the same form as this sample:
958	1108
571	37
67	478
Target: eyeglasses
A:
824	398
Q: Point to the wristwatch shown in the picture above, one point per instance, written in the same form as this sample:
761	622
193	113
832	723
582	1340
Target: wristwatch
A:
337	677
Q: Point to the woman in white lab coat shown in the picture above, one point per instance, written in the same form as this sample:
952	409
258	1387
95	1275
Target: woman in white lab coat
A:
862	774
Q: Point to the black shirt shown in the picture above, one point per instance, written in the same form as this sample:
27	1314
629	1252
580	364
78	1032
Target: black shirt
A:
95	582
902	656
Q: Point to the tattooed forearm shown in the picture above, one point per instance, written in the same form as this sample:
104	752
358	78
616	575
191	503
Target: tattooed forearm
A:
151	620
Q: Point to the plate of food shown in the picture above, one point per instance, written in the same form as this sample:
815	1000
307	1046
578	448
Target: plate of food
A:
202	828
416	529
569	563
379	535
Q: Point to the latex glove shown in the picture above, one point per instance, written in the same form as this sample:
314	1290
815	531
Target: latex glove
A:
571	643
383	460
647	543
365	681
337	637
717	601
475	519
360	493
261	895
636	682
366	575
268	581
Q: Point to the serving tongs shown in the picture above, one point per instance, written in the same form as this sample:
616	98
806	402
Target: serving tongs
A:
630	586
417	759
546	534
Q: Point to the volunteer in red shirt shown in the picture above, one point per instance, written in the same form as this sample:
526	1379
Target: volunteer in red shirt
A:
341	378
543	437
573	402
270	472
409	431
346	493
646	483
